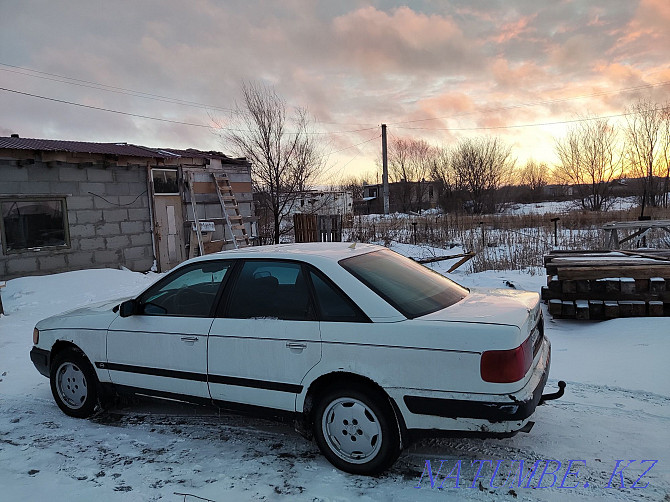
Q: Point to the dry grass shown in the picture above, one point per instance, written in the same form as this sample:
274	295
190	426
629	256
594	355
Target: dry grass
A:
502	242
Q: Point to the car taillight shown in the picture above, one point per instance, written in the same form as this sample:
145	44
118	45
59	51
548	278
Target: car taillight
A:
36	336
506	366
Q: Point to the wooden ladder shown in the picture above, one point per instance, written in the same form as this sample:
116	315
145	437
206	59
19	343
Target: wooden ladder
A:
231	211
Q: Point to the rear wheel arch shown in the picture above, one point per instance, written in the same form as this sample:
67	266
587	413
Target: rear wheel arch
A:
343	379
354	423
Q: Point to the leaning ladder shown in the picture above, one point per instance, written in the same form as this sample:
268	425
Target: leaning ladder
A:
231	211
198	231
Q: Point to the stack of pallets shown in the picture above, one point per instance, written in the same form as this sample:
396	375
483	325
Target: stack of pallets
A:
607	284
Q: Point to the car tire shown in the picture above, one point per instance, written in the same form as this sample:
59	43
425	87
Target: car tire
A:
356	430
74	384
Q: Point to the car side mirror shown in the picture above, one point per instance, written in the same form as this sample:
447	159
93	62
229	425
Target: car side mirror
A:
127	308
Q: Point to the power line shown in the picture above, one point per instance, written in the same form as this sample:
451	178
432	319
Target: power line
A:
536	103
192	124
357	144
105	109
108	88
54	77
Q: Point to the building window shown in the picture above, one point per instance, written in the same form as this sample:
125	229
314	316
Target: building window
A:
165	181
430	191
29	223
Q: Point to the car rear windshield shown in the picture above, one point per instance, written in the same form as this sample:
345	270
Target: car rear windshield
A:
412	289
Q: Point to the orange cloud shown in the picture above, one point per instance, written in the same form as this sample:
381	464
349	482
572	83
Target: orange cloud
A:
515	29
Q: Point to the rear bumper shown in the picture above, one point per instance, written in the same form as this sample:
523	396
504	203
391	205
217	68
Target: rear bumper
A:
493	412
40	359
490	414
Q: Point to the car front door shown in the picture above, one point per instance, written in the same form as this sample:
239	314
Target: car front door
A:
162	347
265	338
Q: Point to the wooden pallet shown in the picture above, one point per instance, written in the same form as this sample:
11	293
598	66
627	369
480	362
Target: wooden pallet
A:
604	284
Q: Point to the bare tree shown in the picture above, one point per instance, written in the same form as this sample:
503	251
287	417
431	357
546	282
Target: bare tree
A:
590	160
443	175
534	176
353	184
284	158
482	166
644	133
409	163
665	153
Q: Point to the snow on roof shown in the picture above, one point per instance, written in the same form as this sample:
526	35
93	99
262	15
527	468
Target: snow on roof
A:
329	250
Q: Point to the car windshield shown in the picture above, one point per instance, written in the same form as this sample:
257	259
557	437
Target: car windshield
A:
412	289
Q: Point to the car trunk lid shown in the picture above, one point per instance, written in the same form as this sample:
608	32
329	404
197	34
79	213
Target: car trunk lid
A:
499	306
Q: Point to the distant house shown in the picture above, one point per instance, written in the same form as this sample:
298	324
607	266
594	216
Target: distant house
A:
325	202
68	205
404	197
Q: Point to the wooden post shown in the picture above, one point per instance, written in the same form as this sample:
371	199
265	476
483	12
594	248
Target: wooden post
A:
555	220
2	285
385	171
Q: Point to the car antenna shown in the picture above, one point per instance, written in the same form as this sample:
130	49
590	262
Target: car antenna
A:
353	246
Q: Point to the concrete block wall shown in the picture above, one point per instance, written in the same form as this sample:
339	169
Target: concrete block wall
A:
108	217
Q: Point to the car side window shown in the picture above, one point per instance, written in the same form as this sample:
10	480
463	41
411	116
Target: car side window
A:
270	289
332	304
188	292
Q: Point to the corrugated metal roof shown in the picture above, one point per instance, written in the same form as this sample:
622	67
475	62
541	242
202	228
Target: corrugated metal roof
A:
53	145
121	149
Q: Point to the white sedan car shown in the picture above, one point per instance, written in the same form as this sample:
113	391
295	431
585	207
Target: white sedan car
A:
365	348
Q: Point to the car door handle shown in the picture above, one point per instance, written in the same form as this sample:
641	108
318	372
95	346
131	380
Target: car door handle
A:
296	346
189	339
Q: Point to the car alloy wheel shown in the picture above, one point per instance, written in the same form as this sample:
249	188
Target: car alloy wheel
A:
357	431
351	430
71	385
74	384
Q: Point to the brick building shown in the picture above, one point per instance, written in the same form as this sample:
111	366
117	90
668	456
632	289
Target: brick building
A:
68	205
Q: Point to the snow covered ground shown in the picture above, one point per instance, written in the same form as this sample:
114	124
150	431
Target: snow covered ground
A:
564	206
616	407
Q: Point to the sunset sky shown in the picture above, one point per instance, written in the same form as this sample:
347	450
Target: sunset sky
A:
434	70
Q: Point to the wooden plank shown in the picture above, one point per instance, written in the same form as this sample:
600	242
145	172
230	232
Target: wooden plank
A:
634	271
639	309
434	259
548	294
568	287
582	310
555	308
657	285
568	309
611	310
627	285
203	187
636	224
241	187
2	285
626	308
460	262
655	308
662	256
596	309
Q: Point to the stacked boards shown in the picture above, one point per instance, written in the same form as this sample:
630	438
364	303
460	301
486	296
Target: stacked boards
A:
605	284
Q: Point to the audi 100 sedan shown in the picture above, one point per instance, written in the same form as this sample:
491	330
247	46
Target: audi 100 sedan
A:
365	348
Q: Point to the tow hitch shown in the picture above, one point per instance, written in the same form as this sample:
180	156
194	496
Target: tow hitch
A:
553	395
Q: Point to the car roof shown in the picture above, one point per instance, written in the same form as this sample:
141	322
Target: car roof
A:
309	251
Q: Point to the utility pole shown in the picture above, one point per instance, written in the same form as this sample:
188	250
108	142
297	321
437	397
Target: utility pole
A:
385	171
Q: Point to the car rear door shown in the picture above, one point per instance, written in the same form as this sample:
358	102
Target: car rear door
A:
162	347
265	337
